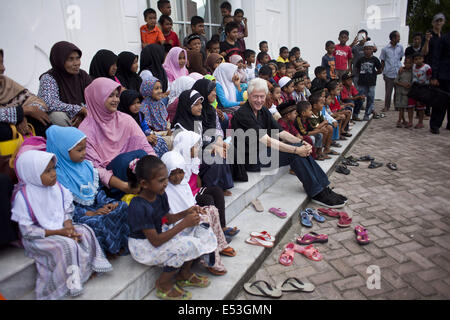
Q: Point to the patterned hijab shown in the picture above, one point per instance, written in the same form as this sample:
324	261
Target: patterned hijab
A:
78	178
71	87
155	111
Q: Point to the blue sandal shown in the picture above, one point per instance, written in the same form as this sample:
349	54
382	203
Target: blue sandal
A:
305	219
315	215
231	232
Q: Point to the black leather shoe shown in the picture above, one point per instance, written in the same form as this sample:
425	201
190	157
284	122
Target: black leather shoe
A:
434	131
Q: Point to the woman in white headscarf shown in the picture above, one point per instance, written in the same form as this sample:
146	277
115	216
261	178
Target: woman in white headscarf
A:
65	254
230	93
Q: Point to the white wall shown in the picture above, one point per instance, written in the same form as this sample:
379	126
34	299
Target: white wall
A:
28	30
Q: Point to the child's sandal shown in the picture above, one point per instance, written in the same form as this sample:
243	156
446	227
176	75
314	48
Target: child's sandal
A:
203	282
184	295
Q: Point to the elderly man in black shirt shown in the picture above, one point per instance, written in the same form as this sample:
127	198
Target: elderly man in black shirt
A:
255	119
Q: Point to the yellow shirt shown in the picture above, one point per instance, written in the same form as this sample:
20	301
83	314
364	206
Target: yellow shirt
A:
280	59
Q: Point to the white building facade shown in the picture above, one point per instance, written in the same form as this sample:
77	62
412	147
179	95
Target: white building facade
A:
28	29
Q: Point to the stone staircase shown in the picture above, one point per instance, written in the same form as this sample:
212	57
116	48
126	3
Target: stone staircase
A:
132	281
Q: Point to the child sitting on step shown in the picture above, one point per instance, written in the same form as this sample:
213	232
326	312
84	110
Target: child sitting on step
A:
66	254
158	238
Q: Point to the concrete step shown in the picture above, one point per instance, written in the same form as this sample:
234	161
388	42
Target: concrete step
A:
133	281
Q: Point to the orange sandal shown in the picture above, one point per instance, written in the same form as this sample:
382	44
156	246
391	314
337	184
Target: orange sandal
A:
229	252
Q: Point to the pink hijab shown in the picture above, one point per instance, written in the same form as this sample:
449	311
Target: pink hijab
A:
109	134
172	66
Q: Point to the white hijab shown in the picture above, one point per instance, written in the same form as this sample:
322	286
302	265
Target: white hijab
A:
224	75
178	86
180	196
183	143
46	202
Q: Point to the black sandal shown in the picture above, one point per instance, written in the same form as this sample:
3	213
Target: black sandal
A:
374	165
342	168
392	166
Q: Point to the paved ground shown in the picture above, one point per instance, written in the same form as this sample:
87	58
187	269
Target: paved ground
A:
407	214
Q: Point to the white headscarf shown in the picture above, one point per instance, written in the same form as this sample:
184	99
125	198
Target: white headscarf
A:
183	143
178	86
224	75
180	196
46	202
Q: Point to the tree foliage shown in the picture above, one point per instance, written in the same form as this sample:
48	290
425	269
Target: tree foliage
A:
421	12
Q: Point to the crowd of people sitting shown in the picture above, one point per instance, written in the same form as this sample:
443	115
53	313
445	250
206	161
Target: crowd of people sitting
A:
111	164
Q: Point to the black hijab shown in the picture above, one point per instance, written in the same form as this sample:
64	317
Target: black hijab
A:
127	98
101	63
152	59
71	87
205	87
127	78
184	115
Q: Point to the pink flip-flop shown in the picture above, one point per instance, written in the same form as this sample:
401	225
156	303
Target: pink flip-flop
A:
287	256
278	212
329	212
310	252
344	220
311	238
361	235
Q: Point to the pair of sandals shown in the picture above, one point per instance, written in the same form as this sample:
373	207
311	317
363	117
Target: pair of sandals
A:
344	220
375	165
307	215
262	239
287	256
262	288
350	161
202	282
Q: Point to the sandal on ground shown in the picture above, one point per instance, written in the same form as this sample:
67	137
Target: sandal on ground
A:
366	158
315	215
344	220
278	212
229	252
295	285
310	252
336	145
399	124
349	162
184	295
305	219
202	283
329	212
408	125
217	272
287	256
342	168
333	153
361	235
346	134
311	238
375	165
262	288
392	166
264	235
259	242
231	232
419	126
258	205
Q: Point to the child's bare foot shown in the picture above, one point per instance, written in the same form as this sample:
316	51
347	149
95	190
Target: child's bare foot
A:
227	193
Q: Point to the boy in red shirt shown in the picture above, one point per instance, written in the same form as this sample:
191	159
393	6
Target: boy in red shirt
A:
350	94
337	109
150	33
166	24
343	55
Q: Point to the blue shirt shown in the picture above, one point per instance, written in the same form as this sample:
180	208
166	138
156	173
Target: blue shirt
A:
222	99
392	57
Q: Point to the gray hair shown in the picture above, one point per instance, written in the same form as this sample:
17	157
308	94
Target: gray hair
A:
258	84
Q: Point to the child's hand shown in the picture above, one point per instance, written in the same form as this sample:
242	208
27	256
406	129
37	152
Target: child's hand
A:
152	139
111	206
70	232
236	80
192	220
220	114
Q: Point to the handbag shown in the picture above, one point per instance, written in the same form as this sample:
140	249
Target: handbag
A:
7	148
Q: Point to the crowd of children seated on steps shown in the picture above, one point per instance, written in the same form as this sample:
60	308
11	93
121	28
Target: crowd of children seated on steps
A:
102	138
